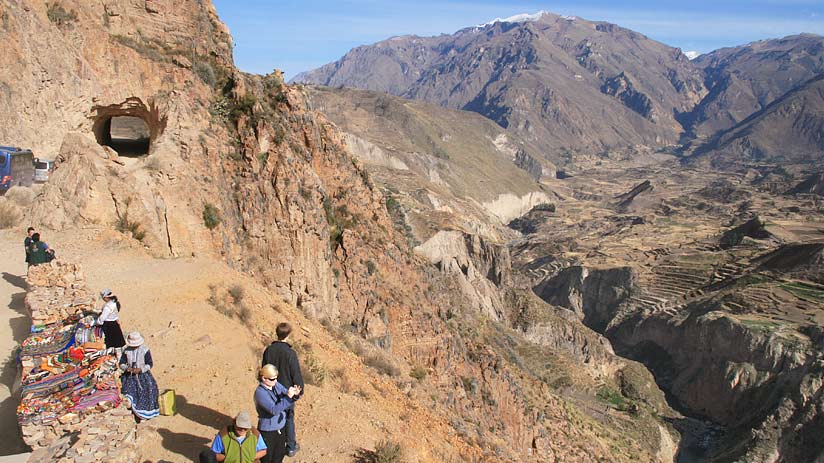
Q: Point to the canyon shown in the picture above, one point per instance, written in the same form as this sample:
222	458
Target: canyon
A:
479	274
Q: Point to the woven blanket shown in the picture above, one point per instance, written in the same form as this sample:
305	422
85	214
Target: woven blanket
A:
110	396
52	384
48	342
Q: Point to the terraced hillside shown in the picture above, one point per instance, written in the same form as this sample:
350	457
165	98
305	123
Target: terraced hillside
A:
710	279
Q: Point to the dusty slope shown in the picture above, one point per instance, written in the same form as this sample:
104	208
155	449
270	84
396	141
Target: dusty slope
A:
210	359
448	169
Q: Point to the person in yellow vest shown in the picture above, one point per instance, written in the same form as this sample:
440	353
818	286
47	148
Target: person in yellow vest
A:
240	442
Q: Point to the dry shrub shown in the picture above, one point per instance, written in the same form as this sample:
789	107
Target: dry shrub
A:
314	372
237	292
10	215
382	364
386	451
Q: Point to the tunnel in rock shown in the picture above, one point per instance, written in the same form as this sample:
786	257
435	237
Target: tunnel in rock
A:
129	128
128	135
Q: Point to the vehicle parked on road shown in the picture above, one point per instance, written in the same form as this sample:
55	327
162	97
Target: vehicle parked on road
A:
16	167
42	170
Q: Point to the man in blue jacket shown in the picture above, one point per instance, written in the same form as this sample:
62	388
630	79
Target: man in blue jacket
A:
283	357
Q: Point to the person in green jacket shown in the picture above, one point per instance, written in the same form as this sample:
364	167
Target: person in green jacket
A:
240	442
39	252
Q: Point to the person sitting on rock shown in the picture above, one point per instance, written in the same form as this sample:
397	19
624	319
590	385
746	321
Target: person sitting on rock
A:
39	252
233	445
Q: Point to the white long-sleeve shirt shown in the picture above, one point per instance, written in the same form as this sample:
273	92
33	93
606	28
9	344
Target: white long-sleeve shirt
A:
108	313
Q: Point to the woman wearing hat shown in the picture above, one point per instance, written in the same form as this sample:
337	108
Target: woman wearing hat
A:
272	400
109	318
138	385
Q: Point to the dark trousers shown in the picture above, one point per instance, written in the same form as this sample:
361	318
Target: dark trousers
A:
275	446
291	437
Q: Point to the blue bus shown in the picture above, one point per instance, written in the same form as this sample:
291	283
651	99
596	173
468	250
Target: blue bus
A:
16	167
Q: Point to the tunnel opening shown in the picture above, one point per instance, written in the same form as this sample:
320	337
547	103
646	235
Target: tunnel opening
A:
128	135
130	128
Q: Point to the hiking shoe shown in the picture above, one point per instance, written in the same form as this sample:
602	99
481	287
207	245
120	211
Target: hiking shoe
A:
294	451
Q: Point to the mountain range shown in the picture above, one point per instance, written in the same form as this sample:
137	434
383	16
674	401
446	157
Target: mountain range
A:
583	90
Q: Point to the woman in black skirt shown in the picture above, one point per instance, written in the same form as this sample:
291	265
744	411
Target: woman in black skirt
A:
109	316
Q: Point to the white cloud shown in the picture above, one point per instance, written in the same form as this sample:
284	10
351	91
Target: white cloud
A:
692	54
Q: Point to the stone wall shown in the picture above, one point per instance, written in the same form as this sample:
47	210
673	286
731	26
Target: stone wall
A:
80	418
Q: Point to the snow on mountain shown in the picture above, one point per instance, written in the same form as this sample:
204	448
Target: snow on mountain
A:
518	18
692	54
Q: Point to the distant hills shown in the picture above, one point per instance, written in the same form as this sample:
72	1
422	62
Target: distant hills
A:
745	79
574	88
789	130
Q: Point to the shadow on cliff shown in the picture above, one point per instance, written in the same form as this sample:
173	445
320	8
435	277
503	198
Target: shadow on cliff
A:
186	445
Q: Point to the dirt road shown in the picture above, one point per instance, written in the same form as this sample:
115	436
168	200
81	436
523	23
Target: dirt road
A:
14	326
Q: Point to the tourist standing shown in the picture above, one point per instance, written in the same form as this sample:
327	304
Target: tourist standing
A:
285	359
271	401
110	320
138	385
234	445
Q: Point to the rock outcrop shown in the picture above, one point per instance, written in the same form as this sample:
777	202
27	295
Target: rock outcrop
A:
753	228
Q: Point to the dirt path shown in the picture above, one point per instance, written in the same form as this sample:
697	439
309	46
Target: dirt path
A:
210	358
14	326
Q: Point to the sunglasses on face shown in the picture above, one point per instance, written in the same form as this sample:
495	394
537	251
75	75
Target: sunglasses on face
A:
240	429
272	379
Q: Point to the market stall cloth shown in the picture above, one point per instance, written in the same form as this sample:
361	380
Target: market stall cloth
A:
49	341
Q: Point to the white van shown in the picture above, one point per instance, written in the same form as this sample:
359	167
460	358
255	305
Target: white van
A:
42	169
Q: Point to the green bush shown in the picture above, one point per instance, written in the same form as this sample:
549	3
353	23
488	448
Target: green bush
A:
314	372
613	398
60	16
245	105
211	216
371	267
418	373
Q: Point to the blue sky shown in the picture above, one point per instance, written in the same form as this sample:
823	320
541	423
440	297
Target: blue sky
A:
296	36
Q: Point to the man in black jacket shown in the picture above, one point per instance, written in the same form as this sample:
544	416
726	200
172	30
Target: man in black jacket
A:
27	243
281	355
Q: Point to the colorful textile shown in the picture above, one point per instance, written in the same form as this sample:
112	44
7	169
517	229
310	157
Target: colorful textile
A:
50	341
